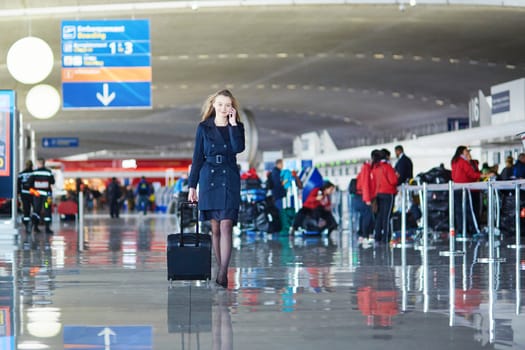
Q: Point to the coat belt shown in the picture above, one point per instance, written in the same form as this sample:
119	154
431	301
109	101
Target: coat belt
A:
217	159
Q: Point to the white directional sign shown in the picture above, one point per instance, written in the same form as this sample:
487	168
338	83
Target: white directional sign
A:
105	98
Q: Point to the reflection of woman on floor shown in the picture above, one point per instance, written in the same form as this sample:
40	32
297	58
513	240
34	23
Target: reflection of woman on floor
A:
222	331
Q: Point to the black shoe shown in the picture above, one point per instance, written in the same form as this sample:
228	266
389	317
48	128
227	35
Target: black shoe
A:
223	283
49	231
36	229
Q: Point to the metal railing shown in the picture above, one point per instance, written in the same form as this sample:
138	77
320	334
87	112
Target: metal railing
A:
492	188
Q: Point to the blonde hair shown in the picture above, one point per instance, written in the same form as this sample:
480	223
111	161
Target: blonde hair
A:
208	110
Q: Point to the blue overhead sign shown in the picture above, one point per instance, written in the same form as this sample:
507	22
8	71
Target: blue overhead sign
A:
106	64
501	102
115	95
114	338
7	135
52	142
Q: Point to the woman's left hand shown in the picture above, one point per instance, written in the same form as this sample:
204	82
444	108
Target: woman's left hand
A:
232	117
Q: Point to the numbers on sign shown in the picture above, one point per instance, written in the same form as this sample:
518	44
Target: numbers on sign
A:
125	48
128	47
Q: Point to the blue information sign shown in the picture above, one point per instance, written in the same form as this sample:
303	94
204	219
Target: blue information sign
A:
50	142
7	115
114	338
106	64
501	102
89	95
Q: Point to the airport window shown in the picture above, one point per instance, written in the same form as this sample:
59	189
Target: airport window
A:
496	158
305	145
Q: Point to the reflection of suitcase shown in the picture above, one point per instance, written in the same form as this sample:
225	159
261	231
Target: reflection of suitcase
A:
189	309
189	254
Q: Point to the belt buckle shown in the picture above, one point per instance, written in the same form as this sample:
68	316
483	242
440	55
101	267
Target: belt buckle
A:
218	158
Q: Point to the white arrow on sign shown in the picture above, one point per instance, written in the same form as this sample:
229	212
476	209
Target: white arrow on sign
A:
107	333
105	98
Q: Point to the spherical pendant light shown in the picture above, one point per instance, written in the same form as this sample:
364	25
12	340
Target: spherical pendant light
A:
30	60
43	101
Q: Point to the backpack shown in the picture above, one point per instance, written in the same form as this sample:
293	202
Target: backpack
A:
352	186
269	182
143	189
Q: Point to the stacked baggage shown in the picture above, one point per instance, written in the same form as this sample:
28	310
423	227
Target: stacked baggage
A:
437	201
257	212
507	222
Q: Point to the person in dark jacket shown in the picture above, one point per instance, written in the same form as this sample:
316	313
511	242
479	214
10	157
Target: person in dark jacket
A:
114	195
404	166
519	167
25	186
278	190
143	193
219	138
507	172
43	181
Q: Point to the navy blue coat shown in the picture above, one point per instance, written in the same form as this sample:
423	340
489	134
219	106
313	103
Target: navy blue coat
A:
278	190
404	169
214	166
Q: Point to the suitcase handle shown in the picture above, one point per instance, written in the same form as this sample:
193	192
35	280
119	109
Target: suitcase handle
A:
182	205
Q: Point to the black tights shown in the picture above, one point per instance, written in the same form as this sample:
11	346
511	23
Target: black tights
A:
221	238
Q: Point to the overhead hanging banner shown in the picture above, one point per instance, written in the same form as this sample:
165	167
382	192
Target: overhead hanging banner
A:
7	114
106	64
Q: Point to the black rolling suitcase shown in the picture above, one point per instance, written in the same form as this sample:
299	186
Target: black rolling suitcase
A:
189	254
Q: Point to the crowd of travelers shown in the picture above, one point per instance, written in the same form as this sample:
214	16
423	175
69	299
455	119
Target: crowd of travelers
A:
374	190
373	201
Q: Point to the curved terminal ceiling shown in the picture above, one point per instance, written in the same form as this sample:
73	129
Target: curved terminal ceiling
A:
362	72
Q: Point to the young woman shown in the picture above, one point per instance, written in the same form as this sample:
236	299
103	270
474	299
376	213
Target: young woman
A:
465	171
385	181
220	136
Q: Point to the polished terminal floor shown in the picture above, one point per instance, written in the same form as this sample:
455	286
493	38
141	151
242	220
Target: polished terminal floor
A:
284	293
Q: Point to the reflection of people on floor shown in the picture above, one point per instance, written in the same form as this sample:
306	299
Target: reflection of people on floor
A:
376	294
36	273
320	278
222	331
378	306
468	301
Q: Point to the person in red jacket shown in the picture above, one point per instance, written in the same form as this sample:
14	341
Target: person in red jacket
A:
385	179
362	200
464	171
320	205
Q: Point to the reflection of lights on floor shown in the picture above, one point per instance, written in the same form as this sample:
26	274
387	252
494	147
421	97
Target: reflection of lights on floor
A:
32	345
129	253
43	322
58	247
